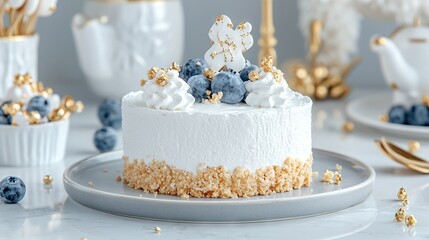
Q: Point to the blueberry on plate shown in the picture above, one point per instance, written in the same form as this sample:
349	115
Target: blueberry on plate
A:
418	115
199	85
230	85
110	113
12	189
244	74
193	67
39	104
105	139
398	114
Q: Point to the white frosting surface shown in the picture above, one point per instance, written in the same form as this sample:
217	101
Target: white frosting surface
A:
266	92
218	134
173	96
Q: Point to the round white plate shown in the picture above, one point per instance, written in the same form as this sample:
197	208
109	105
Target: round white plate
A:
366	111
110	196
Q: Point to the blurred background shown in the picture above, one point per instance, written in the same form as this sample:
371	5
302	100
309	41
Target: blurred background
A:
59	68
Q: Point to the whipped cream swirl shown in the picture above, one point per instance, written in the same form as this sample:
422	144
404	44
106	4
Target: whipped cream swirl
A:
167	91
266	91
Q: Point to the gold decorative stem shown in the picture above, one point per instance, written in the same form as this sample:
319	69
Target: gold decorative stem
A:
267	41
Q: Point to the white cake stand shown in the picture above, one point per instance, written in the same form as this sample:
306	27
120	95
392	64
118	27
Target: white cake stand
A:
92	183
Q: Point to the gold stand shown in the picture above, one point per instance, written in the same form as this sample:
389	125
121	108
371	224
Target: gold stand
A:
267	41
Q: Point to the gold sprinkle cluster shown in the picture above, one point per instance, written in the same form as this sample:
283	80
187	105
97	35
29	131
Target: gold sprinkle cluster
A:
400	215
331	177
68	104
159	75
267	64
213	98
209	73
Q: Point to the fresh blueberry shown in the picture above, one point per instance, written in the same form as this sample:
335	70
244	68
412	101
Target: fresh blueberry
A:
12	189
230	85
5	119
110	113
398	114
418	115
105	139
39	104
244	74
193	67
199	85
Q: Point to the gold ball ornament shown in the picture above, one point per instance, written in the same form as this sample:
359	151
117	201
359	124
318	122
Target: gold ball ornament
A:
47	179
151	73
33	117
400	215
348	127
410	221
413	146
402	194
59	114
12	108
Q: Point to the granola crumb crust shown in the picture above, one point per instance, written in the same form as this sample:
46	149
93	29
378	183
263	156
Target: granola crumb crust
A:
216	182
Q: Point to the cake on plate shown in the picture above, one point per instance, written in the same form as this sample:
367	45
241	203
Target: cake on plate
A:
217	127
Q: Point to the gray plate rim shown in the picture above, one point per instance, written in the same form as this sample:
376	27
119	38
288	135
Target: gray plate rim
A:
251	200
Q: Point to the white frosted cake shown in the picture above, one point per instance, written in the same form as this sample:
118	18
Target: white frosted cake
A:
218	127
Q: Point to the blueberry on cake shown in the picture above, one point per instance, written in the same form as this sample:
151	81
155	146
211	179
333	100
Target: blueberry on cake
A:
218	127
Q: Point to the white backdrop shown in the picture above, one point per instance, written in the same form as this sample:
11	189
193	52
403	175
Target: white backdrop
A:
59	68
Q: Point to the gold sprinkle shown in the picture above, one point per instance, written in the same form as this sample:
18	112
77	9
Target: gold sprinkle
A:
79	106
400	215
278	75
328	176
157	229
219	18
143	82
410	221
91	184
267	63
213	55
402	194
33	117
241	26
213	98
175	66
118	178
383	118
125	158
394	86
151	73
338	167
11	108
405	202
380	41
47	179
348	127
58	114
209	73
338	178
413	146
230	25
162	80
253	76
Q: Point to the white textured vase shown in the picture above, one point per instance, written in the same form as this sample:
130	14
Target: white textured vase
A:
118	41
34	144
18	55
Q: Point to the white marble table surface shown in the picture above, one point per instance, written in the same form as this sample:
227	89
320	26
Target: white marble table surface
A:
48	213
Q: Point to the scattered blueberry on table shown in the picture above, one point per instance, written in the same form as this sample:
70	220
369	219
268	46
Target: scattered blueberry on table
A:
193	67
110	113
105	139
39	104
12	190
231	85
198	86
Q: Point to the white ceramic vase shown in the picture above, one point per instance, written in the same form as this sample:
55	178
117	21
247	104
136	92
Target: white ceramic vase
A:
18	55
118	41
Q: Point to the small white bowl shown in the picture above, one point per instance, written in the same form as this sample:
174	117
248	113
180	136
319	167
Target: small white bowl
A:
33	145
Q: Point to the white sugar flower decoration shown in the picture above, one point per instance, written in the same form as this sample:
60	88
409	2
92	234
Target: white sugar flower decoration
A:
228	44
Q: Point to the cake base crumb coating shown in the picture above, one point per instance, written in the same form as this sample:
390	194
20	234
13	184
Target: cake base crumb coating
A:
216	182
